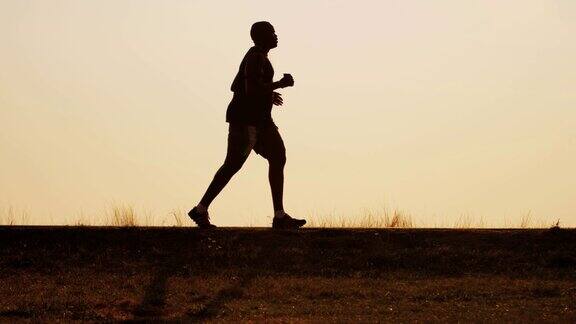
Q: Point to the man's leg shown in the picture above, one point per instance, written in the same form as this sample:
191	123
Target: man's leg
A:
241	140
271	146
276	179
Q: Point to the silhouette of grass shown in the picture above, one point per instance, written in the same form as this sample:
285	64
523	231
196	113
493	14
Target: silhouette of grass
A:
467	221
126	215
12	216
526	220
179	218
382	218
122	215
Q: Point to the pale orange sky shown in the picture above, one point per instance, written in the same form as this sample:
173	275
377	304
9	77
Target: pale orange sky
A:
441	109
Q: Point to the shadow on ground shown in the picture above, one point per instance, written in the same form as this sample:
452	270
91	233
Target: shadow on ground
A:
97	273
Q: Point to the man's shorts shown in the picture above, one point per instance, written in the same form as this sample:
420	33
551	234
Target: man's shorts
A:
265	141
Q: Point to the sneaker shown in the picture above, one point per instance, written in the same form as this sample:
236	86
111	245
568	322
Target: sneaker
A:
287	222
202	220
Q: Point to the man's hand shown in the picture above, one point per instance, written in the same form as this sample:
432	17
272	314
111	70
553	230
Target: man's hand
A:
277	99
287	81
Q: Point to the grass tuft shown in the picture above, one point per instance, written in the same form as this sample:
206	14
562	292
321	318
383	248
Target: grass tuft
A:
10	216
526	220
122	215
178	217
381	218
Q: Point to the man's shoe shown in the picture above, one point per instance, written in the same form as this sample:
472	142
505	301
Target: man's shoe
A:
202	220
287	222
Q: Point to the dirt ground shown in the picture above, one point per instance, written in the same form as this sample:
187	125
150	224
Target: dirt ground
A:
312	275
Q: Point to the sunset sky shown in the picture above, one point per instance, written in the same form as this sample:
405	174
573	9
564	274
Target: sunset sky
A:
442	109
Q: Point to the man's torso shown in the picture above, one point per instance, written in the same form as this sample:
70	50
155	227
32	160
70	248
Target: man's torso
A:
255	110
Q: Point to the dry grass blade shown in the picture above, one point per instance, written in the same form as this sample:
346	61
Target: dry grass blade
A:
178	217
526	220
123	215
369	219
10	216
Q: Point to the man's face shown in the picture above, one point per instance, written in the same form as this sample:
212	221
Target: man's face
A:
270	39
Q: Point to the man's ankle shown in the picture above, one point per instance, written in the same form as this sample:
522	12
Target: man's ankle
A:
279	214
201	208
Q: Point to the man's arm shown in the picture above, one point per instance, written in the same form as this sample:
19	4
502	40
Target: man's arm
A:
254	71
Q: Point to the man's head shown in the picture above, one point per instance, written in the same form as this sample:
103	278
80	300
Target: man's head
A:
263	35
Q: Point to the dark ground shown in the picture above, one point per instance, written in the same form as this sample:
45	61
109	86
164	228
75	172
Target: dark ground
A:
342	275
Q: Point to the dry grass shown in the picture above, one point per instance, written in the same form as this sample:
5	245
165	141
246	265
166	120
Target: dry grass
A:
382	218
526	220
81	294
468	221
179	217
12	216
121	214
127	215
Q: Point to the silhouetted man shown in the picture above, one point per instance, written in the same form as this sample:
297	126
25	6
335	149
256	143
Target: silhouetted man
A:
251	127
